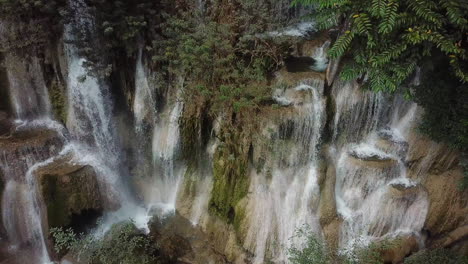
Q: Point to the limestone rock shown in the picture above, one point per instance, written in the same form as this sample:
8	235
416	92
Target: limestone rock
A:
327	207
182	242
68	190
448	207
398	249
331	232
447	219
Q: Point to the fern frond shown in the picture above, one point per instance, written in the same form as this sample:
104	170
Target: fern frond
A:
352	71
389	18
390	53
326	19
378	8
425	10
457	12
362	23
341	45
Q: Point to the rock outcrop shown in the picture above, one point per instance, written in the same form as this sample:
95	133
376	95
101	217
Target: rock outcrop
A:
70	192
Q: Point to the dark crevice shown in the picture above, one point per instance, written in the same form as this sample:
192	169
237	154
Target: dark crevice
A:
84	221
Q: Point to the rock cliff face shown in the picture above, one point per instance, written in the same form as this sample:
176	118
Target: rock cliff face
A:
318	151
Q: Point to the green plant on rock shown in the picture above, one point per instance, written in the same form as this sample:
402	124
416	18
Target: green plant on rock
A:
122	244
31	23
307	247
312	250
64	239
231	182
383	41
222	62
436	256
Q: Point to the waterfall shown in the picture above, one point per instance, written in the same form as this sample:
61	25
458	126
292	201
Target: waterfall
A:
365	163
373	194
42	139
21	205
284	195
91	124
144	103
168	173
320	57
28	92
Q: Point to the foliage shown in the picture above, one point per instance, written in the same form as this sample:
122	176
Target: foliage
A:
314	251
311	251
31	23
383	41
444	99
221	61
436	256
64	239
230	179
122	244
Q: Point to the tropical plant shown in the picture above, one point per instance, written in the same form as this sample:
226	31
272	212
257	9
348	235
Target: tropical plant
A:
384	41
122	244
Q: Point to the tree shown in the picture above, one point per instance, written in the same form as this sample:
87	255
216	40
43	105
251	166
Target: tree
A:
384	41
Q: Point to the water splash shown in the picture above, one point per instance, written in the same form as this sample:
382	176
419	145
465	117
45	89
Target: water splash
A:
373	194
144	104
320	57
284	195
27	89
167	175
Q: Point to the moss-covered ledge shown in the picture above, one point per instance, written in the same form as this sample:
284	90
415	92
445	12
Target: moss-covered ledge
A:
230	172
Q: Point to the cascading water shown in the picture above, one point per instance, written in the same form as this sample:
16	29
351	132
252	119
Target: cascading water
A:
167	174
320	57
284	195
90	121
21	205
144	103
373	194
369	147
28	92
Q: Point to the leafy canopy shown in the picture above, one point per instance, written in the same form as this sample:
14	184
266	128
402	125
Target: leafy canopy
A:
385	40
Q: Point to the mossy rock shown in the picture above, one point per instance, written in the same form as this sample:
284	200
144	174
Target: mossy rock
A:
58	100
230	168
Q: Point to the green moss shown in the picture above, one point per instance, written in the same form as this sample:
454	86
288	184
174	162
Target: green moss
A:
239	218
231	182
190	180
58	101
436	256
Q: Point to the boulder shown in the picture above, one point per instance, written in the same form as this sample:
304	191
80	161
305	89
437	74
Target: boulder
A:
182	242
448	205
396	250
404	191
70	192
447	218
371	160
327	207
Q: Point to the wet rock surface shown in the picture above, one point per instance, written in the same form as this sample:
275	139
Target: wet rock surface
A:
70	190
181	242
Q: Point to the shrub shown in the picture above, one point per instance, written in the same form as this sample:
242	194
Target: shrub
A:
122	244
436	256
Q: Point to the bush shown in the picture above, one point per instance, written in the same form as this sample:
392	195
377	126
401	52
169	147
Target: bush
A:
312	250
122	244
436	256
